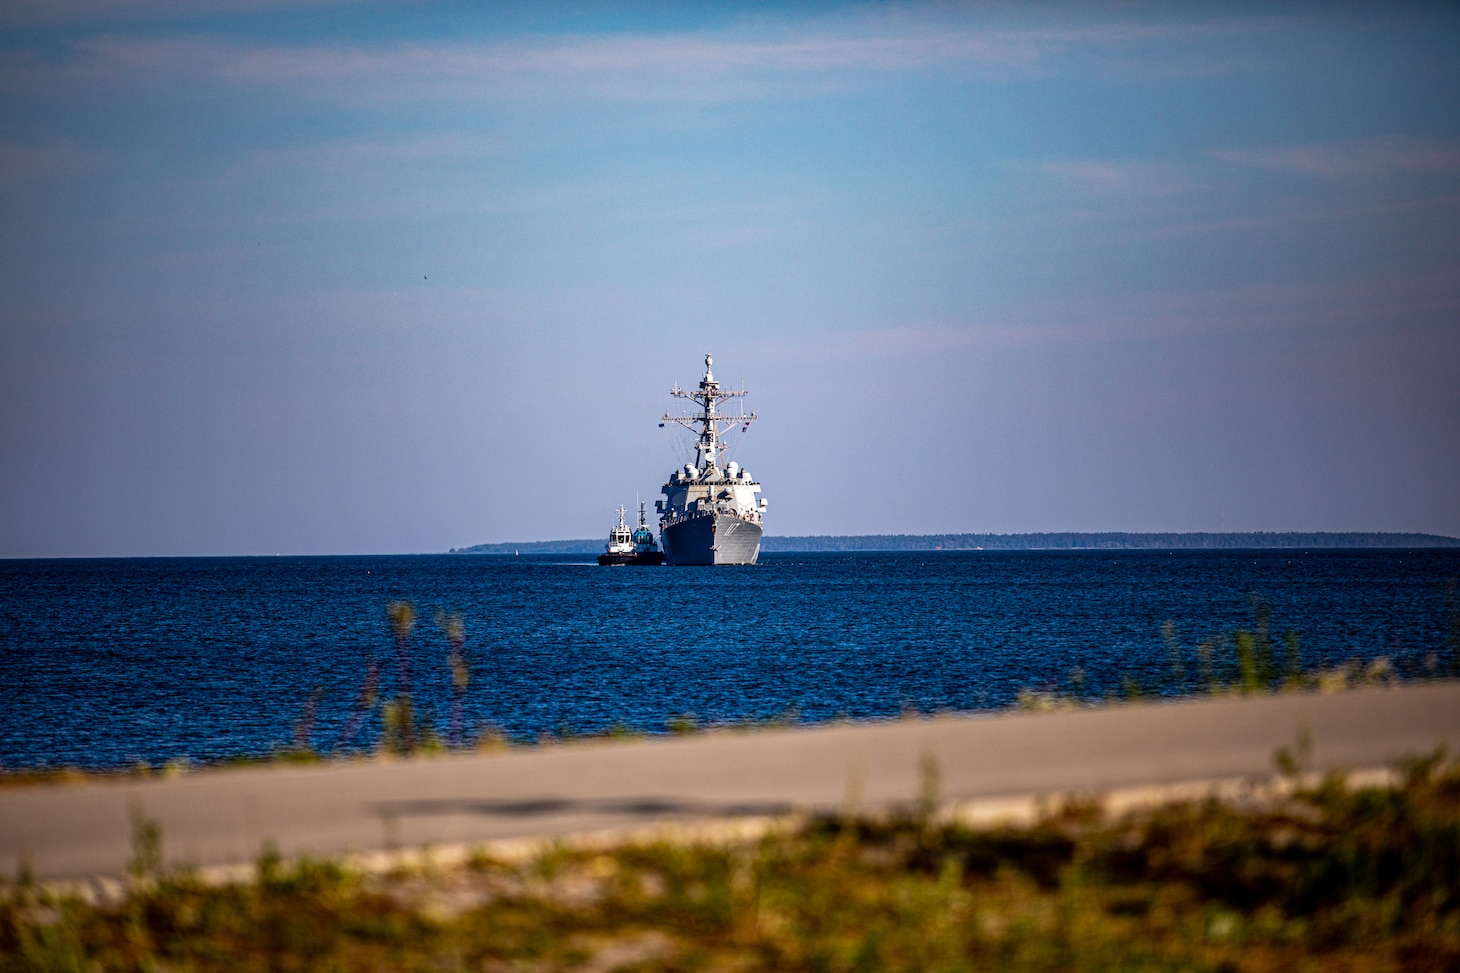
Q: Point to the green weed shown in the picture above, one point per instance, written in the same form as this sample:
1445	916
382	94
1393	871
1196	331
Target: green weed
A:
1331	878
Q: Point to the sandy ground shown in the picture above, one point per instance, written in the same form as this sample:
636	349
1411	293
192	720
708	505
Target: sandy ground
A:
224	817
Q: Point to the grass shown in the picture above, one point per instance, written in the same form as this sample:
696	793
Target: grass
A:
1249	661
1325	879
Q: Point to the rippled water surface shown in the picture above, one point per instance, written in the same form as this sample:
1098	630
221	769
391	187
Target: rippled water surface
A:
108	662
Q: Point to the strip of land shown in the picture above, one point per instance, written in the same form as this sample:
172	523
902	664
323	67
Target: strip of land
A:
216	818
1056	541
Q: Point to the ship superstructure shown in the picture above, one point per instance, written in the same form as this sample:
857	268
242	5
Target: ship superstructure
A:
710	514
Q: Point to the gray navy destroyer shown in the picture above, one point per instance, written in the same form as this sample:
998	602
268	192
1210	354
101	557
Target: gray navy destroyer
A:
710	514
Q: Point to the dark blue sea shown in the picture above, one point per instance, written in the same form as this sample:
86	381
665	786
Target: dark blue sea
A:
111	662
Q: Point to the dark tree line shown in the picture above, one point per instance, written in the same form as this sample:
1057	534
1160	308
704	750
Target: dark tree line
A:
1062	541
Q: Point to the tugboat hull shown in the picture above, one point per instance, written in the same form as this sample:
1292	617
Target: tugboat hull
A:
640	557
717	539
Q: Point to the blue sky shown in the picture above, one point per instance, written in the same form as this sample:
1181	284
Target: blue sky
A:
329	277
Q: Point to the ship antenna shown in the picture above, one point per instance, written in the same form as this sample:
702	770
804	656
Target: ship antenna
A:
709	424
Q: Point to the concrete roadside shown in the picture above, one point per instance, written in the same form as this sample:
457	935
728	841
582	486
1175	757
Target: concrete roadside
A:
221	818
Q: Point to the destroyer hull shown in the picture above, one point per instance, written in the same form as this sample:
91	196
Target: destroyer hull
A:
717	539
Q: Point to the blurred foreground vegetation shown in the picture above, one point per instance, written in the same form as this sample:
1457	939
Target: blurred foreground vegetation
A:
1326	879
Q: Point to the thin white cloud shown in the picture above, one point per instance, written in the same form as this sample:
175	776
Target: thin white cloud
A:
1350	213
21	161
341	155
1210	191
33	13
1117	176
774	58
1373	158
1300	306
604	64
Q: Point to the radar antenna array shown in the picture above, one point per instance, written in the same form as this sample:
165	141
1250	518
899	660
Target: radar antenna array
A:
709	426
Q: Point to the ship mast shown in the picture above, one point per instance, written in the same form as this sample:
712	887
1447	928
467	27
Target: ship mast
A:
711	424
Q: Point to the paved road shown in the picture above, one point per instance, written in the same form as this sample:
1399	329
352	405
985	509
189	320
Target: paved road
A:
224	817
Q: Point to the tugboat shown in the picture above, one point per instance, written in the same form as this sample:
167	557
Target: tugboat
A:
710	514
631	547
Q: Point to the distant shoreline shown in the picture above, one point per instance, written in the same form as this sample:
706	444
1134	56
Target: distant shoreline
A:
1061	541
